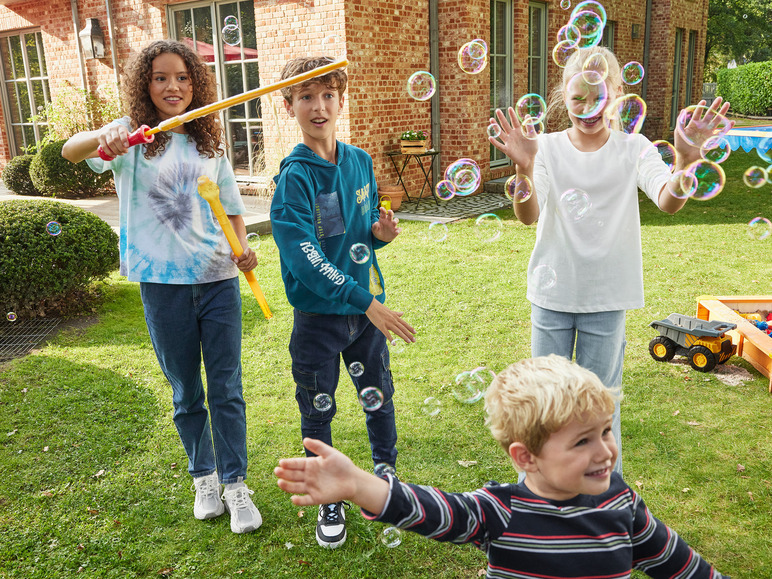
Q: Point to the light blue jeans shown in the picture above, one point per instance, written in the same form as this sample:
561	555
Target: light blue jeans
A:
599	340
186	321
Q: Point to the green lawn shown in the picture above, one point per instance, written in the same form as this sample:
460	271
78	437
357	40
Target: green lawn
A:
94	478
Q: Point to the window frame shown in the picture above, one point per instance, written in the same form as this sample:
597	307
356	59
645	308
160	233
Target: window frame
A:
505	60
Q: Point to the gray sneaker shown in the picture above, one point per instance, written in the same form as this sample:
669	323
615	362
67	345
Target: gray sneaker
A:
244	514
208	504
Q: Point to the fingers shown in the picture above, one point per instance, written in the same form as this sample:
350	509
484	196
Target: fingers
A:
318	447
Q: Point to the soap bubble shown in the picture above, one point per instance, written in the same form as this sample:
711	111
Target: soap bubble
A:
10	316
591	27
484	376
530	105
595	69
682	185
493	130
569	32
562	51
632	73
764	149
759	228
323	402
421	85
467	62
445	189
544	277
628	112
518	189
253	241
565	4
716	149
465	176
488	227
371	398
437	232
591	6
531	128
231	35
431	406
755	177
468	387
359	253
53	228
710	179
667	152
478	48
585	99
356	369
575	203
696	124
397	346
391	537
230	21
382	469
334	47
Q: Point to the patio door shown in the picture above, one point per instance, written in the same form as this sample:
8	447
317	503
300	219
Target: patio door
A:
223	33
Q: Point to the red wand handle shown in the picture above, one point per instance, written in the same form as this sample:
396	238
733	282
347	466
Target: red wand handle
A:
135	138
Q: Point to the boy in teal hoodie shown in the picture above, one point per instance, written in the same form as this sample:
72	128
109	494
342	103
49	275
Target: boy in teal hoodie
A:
327	225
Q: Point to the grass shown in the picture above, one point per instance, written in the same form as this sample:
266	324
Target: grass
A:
94	477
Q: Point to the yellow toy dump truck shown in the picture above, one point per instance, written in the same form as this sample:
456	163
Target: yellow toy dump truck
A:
702	342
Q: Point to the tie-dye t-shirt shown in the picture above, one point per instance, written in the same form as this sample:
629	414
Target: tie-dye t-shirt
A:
168	232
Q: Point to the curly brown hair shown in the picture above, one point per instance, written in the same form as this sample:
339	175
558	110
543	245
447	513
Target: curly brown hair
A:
206	131
335	80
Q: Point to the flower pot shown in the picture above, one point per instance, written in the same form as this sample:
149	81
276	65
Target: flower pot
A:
393	193
412	147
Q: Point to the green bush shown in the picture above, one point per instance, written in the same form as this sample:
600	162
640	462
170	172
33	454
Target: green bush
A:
747	87
16	176
55	176
39	269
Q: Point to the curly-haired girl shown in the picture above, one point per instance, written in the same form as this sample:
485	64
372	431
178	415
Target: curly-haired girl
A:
171	244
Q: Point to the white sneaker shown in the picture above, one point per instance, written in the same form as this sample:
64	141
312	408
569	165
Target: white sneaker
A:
331	525
244	514
208	504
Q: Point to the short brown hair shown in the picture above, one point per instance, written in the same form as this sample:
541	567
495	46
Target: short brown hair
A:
335	80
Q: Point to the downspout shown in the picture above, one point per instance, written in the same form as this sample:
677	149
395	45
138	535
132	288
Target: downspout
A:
646	39
75	23
434	69
111	31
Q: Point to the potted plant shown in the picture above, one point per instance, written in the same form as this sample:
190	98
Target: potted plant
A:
413	141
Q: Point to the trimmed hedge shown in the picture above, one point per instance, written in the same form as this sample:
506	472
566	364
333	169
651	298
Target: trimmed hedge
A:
16	176
747	87
55	176
38	268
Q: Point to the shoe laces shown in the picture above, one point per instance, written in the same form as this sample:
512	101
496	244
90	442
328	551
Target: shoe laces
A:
331	512
238	498
206	486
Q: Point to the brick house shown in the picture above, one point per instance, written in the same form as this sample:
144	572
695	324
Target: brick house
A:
45	44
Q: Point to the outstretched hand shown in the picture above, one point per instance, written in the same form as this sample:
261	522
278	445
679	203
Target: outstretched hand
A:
385	229
701	126
513	141
388	321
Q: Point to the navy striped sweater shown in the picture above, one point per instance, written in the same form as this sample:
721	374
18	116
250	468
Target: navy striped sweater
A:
528	537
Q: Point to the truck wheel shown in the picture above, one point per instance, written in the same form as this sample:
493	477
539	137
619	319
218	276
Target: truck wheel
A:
702	359
662	349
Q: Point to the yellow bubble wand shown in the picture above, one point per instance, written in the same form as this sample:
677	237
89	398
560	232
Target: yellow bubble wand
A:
145	134
211	194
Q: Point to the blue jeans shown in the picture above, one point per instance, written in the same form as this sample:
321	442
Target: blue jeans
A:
318	341
186	321
599	338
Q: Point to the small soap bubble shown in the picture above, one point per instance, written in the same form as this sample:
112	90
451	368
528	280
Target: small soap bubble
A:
568	32
484	375
632	73
467	62
696	124
391	537
530	105
544	277
323	402
494	130
421	85
231	35
586	95
682	185
230	21
356	369
518	189
445	189
397	346
253	241
666	151
759	228
595	69
716	149
53	228
755	177
488	227
10	316
468	387
565	4
437	231
710	179
628	113
371	398
575	203
431	406
562	51
465	176
531	128
382	469
478	48
359	253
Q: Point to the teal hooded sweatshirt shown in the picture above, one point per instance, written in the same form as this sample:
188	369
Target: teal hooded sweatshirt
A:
319	212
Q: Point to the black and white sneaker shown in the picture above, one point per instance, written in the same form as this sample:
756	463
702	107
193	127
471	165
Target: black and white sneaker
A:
331	525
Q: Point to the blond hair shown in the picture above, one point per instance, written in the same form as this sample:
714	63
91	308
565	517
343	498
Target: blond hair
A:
334	80
557	114
531	399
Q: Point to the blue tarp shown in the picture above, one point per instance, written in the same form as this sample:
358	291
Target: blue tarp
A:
749	138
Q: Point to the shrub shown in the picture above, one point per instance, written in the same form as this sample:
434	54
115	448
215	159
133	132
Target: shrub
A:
55	176
16	176
747	87
38	269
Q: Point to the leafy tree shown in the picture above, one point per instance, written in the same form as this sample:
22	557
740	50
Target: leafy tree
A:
739	30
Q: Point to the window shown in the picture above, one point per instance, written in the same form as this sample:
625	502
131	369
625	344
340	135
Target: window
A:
232	54
537	48
500	53
609	31
692	50
676	89
25	88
